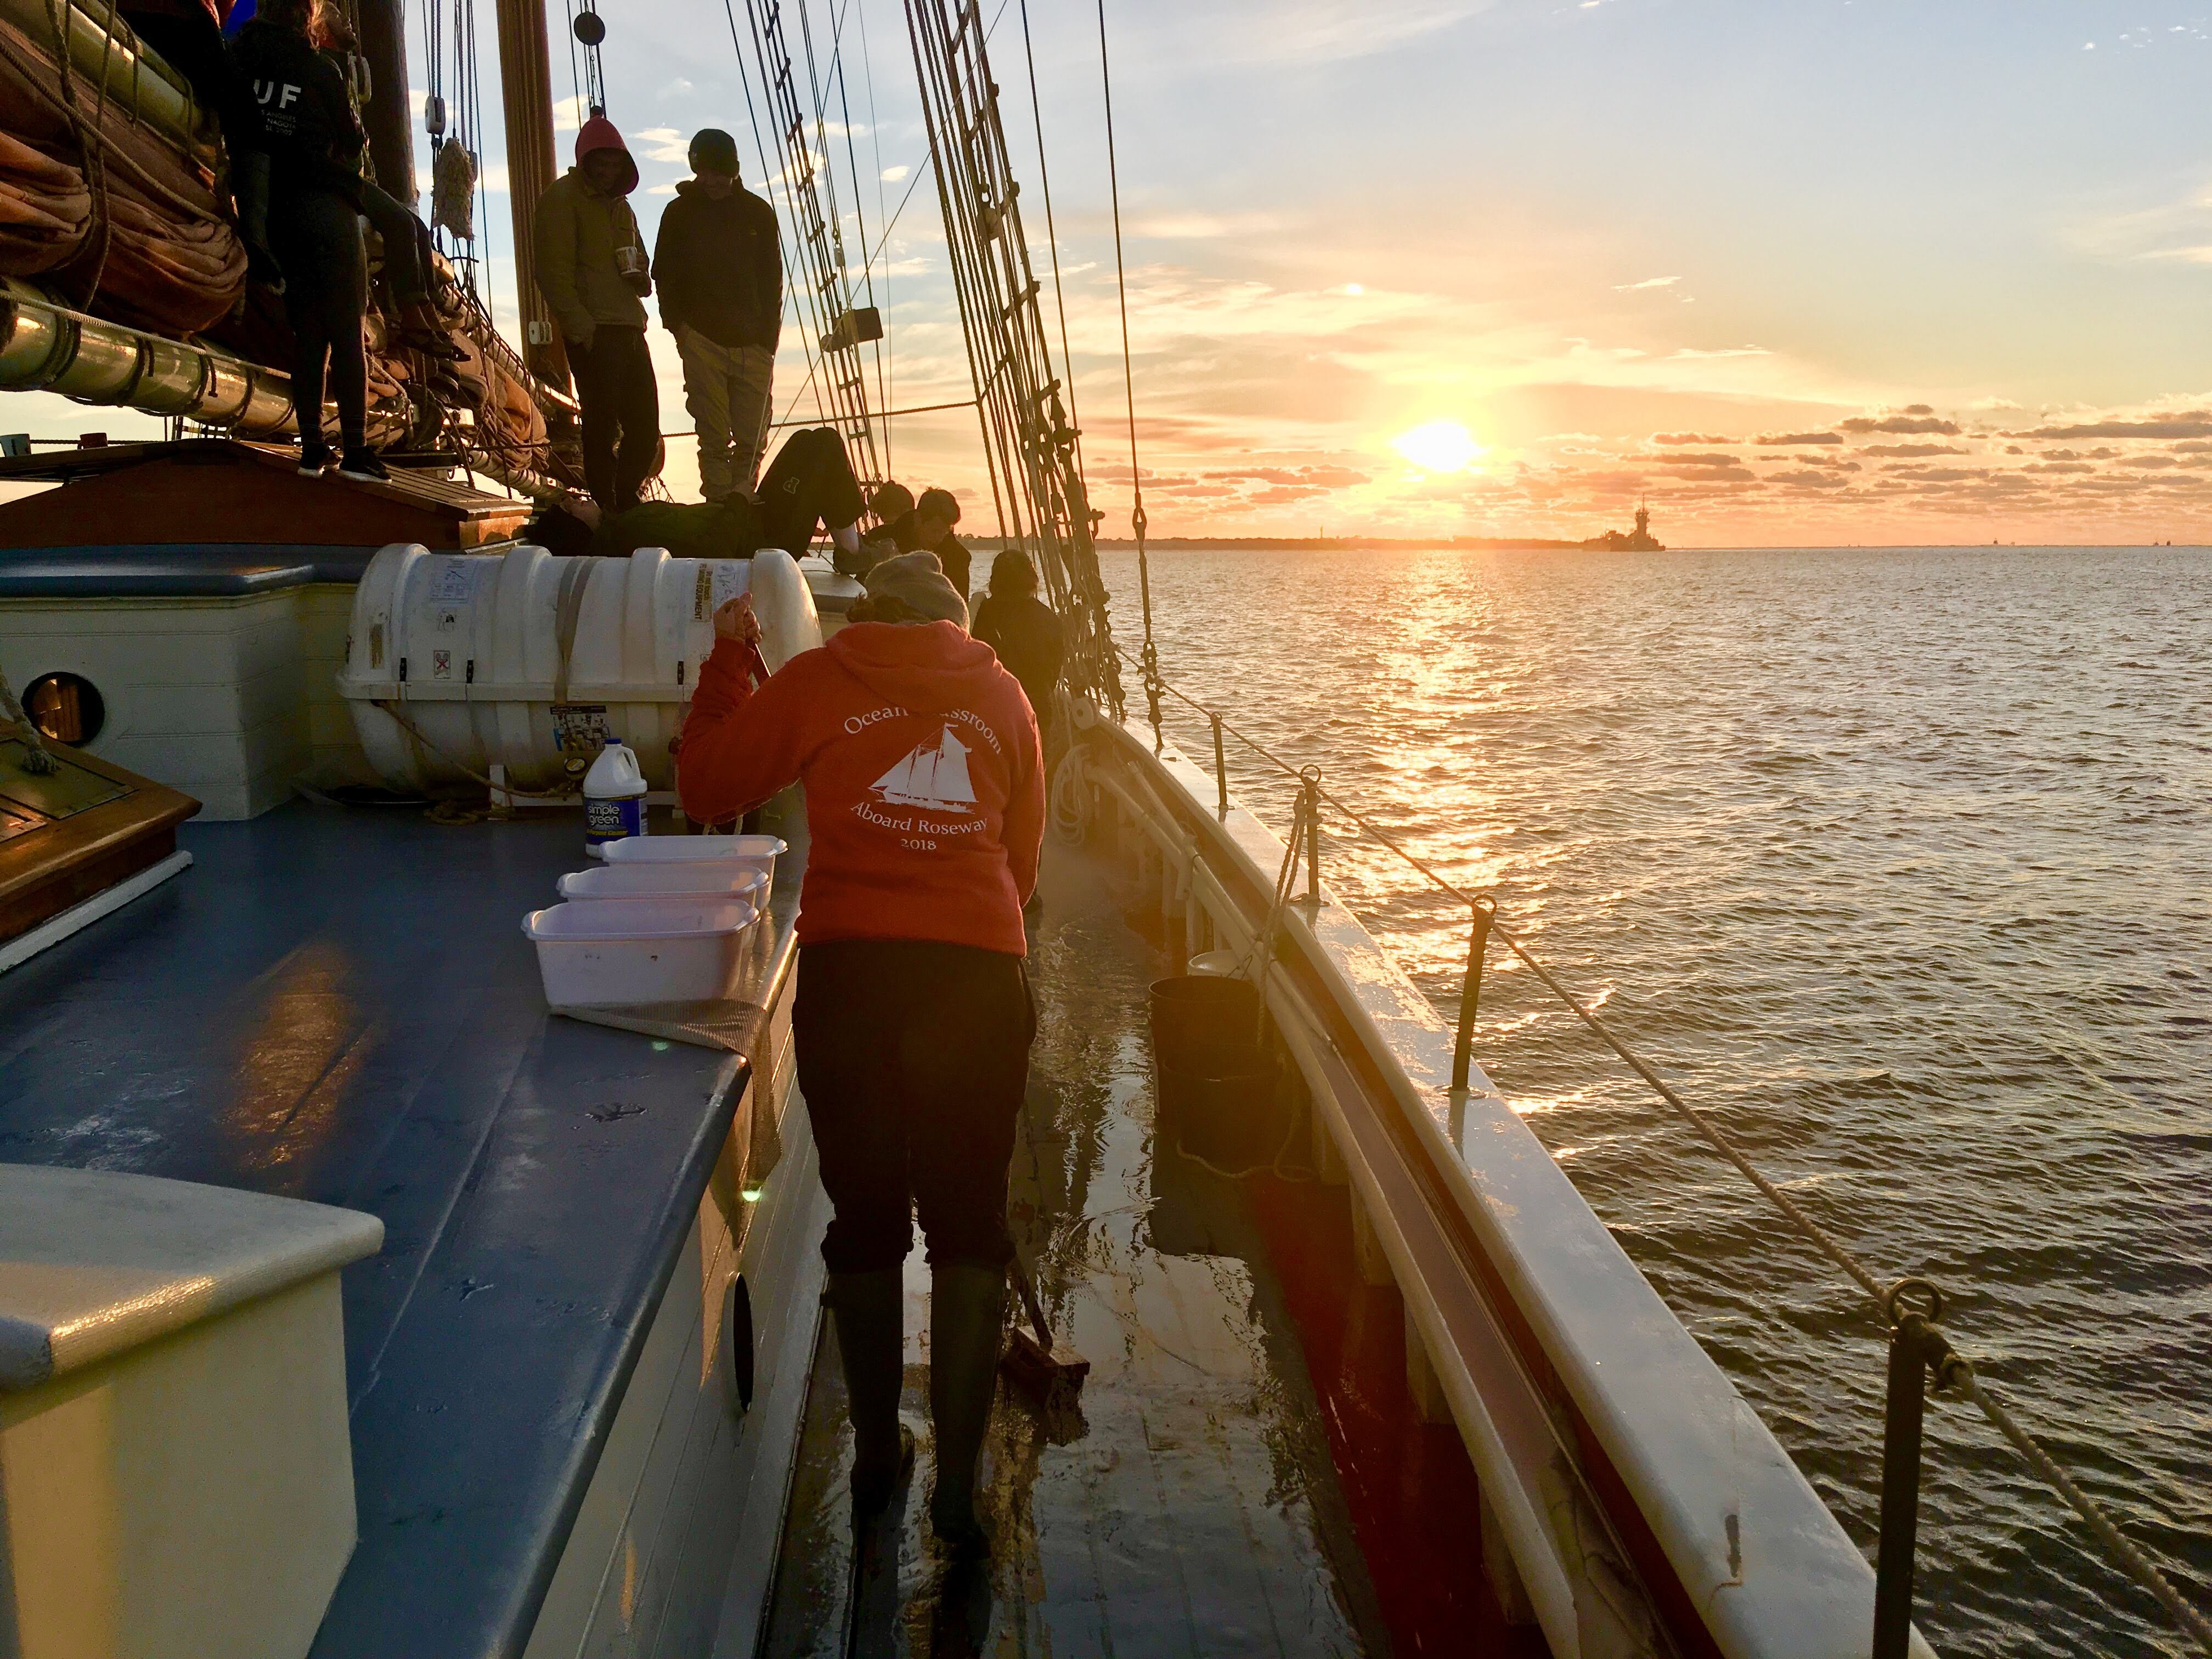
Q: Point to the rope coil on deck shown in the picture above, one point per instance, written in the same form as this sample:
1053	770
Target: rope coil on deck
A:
1953	1375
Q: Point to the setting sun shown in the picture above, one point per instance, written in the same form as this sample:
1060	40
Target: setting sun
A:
1439	446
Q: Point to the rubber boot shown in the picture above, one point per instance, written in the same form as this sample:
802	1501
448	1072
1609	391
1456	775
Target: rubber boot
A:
249	183
967	1320
869	1309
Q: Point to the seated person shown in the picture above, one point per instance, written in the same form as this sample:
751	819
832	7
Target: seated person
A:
892	502
928	529
809	483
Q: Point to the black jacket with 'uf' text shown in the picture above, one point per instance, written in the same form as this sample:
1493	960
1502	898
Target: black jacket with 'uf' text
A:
308	126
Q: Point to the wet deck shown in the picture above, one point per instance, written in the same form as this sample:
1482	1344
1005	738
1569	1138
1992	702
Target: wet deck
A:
1197	1509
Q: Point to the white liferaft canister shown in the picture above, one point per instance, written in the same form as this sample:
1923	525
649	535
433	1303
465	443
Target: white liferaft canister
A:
614	799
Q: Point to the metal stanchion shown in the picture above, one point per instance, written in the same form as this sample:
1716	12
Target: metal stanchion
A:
1309	802
1917	1352
1220	768
1470	994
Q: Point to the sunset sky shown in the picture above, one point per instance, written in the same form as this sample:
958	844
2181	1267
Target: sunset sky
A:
1827	270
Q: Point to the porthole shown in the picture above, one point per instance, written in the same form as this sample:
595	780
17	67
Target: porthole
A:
66	707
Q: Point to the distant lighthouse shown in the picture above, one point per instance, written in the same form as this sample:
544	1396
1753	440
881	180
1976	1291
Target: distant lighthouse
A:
1638	541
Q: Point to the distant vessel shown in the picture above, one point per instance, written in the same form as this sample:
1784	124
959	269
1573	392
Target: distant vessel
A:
1638	540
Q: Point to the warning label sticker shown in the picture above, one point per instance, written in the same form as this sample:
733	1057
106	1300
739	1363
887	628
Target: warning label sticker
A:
731	578
581	725
455	582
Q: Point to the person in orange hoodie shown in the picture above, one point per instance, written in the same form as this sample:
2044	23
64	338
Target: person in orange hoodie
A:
926	810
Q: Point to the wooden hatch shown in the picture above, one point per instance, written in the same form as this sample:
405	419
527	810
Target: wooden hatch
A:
205	492
71	834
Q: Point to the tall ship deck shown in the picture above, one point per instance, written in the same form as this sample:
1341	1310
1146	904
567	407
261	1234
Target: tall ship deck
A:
360	1298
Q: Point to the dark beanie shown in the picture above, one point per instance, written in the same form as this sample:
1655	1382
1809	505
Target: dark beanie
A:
713	150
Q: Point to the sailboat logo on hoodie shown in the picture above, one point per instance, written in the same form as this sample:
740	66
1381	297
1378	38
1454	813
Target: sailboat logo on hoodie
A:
935	776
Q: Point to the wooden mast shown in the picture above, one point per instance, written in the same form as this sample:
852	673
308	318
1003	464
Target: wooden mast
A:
525	84
383	27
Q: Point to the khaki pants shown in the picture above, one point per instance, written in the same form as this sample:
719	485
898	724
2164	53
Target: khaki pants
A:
726	390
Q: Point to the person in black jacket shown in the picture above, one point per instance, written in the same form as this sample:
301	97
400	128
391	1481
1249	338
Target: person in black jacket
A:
906	525
313	138
187	36
313	141
1021	629
721	295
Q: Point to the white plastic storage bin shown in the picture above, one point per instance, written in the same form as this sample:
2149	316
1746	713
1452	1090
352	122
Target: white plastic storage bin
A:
687	883
676	951
757	852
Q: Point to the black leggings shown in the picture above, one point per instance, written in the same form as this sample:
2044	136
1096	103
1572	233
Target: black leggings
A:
406	243
913	1058
316	237
810	482
615	384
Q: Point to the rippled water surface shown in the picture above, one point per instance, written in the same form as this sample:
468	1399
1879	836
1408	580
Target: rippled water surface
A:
1901	862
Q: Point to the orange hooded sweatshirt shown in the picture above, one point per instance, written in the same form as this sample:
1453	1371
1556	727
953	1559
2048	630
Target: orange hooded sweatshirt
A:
925	783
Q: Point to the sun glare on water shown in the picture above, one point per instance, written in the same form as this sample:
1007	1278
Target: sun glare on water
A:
1439	446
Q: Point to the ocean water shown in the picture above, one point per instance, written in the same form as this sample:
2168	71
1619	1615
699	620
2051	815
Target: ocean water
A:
1899	862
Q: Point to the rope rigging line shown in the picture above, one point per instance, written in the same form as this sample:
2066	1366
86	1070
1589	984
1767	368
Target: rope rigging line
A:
886	366
1037	489
575	67
820	241
1151	660
790	266
594	90
1957	1376
859	219
921	170
1052	239
834	220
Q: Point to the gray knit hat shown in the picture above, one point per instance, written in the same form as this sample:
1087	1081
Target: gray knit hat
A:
917	581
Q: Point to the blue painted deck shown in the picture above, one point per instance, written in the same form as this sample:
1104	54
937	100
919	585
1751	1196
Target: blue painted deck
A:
340	1006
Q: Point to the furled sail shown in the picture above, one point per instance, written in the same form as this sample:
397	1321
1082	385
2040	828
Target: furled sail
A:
91	116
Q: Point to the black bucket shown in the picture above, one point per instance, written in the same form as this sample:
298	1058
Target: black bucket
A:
1217	1083
1194	1015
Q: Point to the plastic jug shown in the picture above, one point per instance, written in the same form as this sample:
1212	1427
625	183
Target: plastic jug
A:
614	799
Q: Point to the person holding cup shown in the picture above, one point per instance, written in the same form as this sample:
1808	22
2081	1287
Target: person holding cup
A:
594	273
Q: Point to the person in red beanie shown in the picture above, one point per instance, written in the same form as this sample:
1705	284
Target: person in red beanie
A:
926	807
593	271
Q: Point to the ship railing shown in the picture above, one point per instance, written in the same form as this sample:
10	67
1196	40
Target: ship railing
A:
1923	1363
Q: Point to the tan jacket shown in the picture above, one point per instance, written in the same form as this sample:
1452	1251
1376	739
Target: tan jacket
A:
576	233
